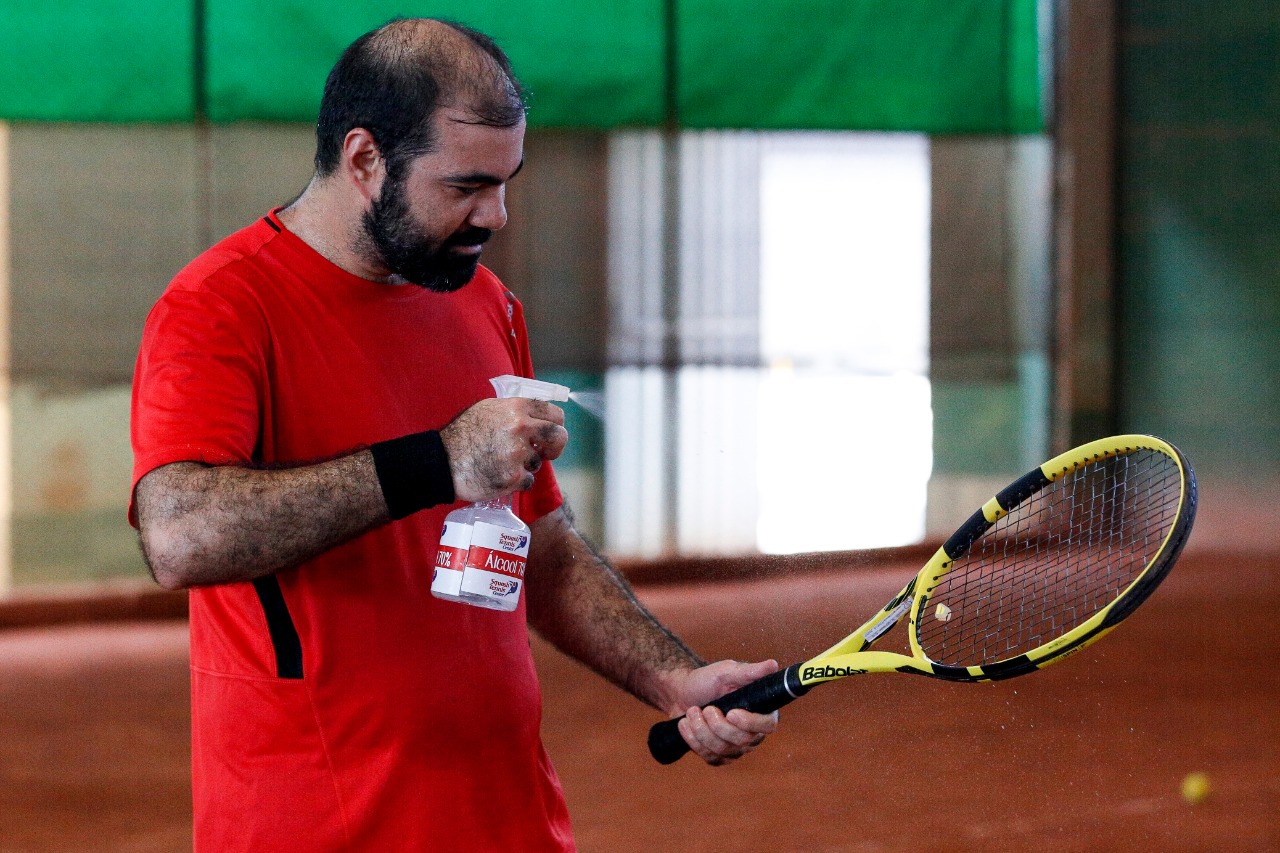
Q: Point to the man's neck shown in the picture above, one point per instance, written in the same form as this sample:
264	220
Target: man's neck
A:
327	223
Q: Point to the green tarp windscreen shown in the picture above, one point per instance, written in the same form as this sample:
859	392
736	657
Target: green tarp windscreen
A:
97	60
583	62
937	66
940	66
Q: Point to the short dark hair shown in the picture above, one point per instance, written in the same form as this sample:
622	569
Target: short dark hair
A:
392	80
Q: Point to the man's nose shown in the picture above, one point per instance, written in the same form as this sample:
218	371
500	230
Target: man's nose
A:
491	210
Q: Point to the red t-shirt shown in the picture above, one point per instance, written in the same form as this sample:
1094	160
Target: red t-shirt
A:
339	706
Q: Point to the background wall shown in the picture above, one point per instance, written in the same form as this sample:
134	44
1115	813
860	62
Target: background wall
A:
104	215
1198	229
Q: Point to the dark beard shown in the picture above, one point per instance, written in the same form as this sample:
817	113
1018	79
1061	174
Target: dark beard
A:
397	238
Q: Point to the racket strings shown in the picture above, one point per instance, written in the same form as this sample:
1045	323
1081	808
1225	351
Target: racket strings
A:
1054	561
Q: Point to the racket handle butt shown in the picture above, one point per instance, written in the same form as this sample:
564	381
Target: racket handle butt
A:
764	696
666	745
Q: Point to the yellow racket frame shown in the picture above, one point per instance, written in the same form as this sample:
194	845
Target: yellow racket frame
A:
850	657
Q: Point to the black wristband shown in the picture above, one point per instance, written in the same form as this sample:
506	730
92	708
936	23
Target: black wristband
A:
414	473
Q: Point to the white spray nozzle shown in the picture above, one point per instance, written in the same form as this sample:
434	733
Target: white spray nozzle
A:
530	389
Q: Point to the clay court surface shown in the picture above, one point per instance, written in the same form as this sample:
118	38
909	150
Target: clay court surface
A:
1085	756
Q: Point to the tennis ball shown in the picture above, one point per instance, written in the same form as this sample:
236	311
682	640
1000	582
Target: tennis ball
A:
1195	787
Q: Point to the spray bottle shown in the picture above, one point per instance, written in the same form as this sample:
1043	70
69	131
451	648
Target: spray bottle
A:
484	547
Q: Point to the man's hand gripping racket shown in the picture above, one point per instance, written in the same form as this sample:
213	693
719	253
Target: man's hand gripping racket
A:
1046	567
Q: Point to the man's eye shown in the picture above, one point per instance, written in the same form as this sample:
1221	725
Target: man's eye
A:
465	189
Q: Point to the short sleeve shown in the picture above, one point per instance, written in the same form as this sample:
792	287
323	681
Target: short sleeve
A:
199	383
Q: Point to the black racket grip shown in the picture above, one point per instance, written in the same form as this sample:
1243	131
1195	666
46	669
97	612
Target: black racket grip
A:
763	697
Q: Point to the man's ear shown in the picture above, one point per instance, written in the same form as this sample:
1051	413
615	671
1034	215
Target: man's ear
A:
364	163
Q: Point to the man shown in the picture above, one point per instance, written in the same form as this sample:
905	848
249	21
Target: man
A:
311	397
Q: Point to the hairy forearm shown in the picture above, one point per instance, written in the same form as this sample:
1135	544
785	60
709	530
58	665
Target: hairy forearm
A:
585	608
204	525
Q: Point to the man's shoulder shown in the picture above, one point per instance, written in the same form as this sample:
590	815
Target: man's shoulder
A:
240	260
487	286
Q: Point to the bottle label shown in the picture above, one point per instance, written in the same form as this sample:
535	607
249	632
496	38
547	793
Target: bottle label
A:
451	559
496	562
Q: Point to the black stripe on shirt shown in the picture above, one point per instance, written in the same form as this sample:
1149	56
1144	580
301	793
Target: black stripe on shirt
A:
284	636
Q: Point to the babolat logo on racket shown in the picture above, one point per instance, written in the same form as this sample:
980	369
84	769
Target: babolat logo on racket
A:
810	673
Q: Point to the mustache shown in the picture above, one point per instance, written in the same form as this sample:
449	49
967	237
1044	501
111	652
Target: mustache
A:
470	237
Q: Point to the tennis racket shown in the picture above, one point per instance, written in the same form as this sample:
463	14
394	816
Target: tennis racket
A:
1046	567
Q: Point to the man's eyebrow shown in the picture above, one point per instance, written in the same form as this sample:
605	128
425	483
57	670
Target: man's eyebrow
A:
484	177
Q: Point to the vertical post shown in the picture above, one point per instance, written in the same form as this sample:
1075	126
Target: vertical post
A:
6	415
671	263
1085	143
202	129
